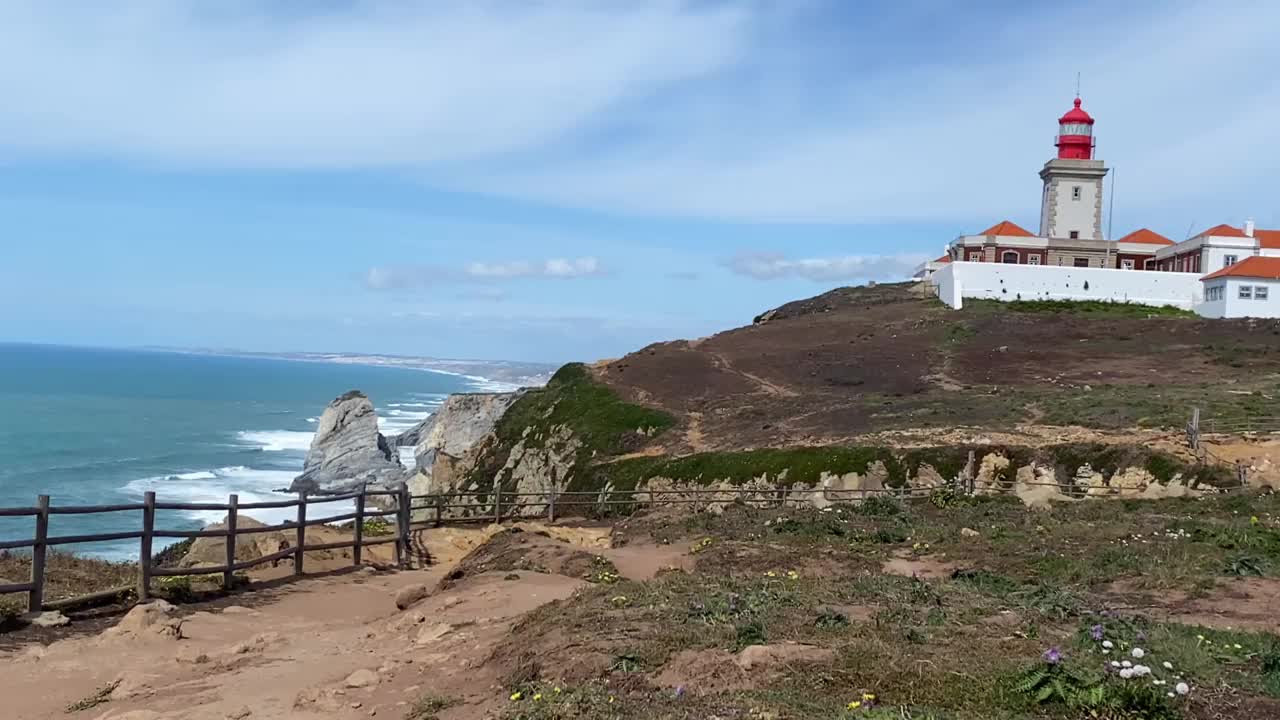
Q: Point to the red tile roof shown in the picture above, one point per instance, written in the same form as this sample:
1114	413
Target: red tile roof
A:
944	258
1146	237
1006	229
1223	230
1254	266
1268	238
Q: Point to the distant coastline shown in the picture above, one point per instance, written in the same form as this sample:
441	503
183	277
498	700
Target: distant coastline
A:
485	375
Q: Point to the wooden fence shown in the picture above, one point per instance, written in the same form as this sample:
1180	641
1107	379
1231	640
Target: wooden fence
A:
147	568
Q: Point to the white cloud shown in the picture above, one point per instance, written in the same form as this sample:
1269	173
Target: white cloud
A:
554	268
396	277
773	266
671	107
364	84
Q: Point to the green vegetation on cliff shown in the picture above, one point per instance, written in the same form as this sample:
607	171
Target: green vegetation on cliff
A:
808	464
573	404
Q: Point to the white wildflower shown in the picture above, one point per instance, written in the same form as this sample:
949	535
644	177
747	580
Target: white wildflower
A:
1126	663
1138	653
1115	663
1167	665
1126	673
1182	688
1107	644
1141	671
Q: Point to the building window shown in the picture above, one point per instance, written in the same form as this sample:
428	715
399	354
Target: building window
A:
1246	292
1080	262
1148	264
1126	264
1033	259
1074	234
1228	260
975	257
1009	257
1075	192
1259	292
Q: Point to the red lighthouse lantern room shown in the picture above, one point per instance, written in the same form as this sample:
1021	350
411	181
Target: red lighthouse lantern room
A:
1075	134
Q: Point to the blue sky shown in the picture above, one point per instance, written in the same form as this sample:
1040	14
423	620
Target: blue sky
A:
573	179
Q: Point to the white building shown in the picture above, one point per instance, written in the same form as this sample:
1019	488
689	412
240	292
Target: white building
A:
1249	288
1076	261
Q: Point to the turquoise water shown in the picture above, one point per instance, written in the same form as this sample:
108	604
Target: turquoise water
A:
88	426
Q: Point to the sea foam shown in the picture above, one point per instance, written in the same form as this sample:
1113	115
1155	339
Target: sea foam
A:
277	440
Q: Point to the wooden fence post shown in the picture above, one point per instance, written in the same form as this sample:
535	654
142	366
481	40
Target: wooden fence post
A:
1193	429
359	529
551	504
404	519
497	500
228	575
302	532
35	598
144	553
439	510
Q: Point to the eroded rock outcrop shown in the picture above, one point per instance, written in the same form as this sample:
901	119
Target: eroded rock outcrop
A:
445	441
348	451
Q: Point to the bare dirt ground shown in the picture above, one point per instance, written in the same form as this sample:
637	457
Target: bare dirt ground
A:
332	647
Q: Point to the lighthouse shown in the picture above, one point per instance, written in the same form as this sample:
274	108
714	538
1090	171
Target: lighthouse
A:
1071	205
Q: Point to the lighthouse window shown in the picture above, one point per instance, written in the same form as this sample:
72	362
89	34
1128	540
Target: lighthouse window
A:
1074	235
1075	129
1075	192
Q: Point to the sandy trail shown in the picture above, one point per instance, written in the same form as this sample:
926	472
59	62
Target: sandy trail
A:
293	654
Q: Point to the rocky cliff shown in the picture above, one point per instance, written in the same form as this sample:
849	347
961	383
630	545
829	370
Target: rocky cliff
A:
348	451
444	442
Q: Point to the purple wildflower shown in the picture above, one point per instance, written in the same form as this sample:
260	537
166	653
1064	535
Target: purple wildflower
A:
679	693
1095	632
1053	656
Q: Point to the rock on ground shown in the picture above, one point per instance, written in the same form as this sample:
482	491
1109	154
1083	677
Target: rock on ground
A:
152	619
411	595
361	678
348	451
49	619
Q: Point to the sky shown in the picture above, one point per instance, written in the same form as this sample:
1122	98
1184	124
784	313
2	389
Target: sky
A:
574	179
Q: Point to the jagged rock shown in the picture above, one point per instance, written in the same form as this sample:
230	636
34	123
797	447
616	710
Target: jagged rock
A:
348	451
445	440
361	678
409	596
431	633
208	551
152	619
50	619
767	657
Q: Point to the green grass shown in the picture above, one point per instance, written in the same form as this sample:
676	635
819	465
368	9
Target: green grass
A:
1089	308
428	707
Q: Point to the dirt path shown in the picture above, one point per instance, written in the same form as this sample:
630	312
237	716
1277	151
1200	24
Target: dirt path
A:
769	388
331	647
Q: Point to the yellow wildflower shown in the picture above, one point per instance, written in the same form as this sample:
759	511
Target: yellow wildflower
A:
1254	520
537	697
516	695
869	697
793	575
771	574
556	690
611	699
854	705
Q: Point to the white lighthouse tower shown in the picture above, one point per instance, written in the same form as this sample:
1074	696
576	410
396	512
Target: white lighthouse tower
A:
1071	206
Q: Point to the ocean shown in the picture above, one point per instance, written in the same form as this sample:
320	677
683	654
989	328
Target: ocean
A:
92	426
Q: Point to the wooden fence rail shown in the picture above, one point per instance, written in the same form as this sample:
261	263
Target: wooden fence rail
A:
147	569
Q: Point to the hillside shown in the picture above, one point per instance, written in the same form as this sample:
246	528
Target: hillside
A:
857	361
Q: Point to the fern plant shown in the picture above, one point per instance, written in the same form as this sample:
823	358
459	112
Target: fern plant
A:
1054	682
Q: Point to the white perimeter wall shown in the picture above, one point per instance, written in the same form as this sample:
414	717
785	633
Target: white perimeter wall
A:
996	281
